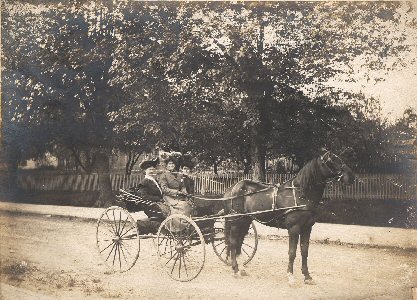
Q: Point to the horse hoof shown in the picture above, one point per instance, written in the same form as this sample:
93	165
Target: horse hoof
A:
309	282
237	275
243	273
291	280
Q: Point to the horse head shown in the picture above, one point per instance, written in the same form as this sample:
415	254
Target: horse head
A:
335	168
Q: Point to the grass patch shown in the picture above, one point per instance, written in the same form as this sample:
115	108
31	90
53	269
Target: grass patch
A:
16	270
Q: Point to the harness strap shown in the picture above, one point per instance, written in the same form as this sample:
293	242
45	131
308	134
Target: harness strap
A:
293	193
233	215
274	197
233	197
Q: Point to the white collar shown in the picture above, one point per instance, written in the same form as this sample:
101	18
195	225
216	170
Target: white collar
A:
150	177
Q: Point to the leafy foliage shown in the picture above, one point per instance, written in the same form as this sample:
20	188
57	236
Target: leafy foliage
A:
247	81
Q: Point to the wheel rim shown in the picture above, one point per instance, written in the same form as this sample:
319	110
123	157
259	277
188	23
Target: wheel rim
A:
181	248
249	246
117	239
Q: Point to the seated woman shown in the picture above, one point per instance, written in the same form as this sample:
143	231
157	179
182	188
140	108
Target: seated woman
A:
173	188
186	167
151	191
150	188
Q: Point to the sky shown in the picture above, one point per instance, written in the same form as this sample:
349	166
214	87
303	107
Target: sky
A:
396	93
398	90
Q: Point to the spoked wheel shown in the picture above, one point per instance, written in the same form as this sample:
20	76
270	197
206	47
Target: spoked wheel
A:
249	246
117	239
181	247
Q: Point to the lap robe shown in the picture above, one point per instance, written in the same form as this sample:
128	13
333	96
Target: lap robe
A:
177	206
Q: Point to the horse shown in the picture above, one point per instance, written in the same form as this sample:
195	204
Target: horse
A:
290	206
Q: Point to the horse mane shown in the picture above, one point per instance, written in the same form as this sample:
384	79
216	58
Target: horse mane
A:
310	175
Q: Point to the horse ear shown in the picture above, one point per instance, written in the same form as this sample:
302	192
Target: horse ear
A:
323	152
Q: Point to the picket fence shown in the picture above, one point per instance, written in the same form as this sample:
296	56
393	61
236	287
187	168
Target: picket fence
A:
366	186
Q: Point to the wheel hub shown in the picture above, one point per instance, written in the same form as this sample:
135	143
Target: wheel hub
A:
180	248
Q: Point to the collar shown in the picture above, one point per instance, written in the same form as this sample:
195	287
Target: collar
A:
150	177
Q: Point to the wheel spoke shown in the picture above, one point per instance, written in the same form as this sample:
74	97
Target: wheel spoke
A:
225	247
243	249
120	261
191	233
114	244
179	267
110	222
126	248
175	262
167	252
115	223
120	218
124	224
133	227
222	242
115	250
115	240
172	256
246	244
185	265
123	253
179	242
108	229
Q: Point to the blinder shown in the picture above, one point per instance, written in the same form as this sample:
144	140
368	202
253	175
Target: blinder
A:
334	173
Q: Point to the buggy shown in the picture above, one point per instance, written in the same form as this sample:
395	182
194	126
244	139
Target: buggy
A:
180	240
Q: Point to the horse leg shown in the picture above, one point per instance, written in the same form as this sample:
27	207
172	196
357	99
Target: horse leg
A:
231	240
304	244
293	234
235	266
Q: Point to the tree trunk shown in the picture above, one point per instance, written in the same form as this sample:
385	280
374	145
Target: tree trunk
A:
104	184
246	166
258	153
12	162
132	159
128	169
215	167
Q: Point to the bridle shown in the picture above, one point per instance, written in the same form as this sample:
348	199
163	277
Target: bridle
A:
334	174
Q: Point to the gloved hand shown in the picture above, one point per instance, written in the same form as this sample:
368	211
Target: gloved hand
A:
182	194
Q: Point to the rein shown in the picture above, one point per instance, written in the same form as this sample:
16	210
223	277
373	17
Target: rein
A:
231	198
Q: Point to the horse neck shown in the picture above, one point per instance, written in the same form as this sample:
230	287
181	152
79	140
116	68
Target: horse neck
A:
311	181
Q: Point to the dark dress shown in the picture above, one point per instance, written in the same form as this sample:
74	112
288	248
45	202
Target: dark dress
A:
188	184
156	213
150	191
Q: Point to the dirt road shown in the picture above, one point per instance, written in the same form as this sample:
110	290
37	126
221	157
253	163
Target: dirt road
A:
56	258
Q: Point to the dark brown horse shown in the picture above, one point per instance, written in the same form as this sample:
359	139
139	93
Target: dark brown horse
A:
303	192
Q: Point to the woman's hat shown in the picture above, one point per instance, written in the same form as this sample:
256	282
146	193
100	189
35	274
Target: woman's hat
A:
171	156
187	161
149	163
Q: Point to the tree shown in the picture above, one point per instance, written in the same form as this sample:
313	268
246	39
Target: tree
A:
61	66
247	80
229	59
252	60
